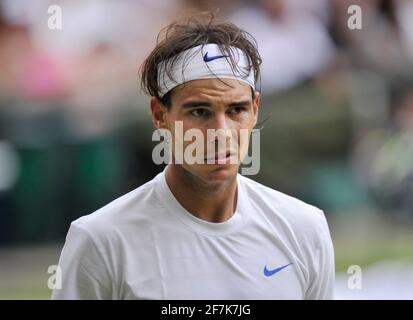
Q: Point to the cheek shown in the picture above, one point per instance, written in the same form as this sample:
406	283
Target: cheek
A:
243	132
246	119
246	122
243	143
170	120
188	132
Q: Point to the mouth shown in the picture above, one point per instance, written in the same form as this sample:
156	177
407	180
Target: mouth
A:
221	157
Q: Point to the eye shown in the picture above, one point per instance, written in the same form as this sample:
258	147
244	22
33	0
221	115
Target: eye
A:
199	113
236	110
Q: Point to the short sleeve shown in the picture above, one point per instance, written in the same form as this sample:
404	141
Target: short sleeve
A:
322	270
83	269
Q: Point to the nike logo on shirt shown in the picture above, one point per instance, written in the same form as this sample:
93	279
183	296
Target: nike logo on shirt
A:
269	273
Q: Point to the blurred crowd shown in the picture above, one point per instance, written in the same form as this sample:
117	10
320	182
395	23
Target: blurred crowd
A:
75	129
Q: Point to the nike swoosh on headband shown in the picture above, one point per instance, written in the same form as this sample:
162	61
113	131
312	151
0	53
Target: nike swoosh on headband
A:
208	59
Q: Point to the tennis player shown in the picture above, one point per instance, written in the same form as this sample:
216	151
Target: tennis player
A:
201	230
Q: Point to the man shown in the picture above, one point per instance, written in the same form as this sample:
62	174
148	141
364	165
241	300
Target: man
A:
201	230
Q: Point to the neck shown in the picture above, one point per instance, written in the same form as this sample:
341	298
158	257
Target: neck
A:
212	202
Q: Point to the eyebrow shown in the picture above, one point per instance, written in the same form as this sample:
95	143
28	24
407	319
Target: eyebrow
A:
195	104
240	103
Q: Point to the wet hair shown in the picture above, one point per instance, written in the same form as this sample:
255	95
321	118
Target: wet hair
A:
191	32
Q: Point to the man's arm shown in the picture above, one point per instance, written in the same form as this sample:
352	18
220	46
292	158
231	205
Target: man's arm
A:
322	272
84	271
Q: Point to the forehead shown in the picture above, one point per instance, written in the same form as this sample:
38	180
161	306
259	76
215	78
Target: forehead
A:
214	90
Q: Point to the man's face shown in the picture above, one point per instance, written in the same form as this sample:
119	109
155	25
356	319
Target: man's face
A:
211	104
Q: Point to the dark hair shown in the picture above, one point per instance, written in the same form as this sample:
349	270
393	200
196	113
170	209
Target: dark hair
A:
196	30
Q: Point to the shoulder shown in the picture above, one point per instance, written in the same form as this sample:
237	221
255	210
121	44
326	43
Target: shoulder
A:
301	228
304	220
133	206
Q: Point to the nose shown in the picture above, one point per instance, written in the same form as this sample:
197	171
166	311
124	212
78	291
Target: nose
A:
221	127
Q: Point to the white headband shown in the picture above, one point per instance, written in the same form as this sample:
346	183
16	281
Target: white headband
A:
204	62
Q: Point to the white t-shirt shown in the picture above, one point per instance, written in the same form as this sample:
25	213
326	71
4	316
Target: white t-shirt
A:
145	245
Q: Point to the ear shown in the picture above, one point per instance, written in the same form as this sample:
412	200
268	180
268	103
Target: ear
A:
255	106
159	113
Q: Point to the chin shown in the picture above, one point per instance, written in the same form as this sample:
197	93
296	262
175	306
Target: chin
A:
215	173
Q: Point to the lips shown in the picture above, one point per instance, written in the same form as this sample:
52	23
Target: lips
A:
221	156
